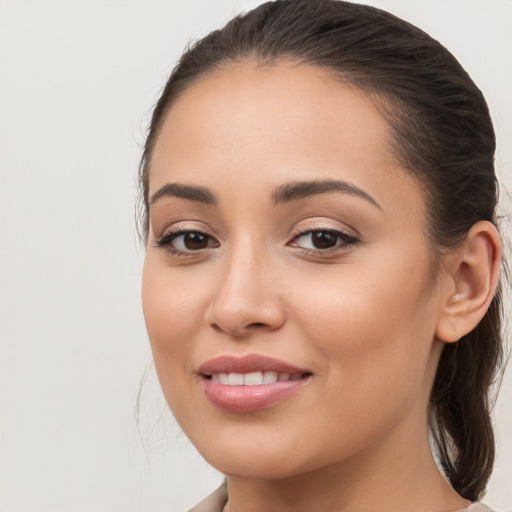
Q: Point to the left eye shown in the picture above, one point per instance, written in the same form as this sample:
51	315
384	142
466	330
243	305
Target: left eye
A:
187	241
322	240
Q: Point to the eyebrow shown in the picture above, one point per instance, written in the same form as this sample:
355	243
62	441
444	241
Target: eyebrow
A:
303	189
193	193
282	194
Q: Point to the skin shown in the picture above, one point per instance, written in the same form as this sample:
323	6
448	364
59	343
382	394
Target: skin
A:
364	318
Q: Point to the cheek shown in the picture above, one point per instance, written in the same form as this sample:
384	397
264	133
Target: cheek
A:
379	324
172	305
173	311
373	345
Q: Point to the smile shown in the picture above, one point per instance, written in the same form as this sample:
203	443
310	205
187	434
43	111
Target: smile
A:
253	378
250	383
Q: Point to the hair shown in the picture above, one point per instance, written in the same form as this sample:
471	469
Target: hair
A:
442	135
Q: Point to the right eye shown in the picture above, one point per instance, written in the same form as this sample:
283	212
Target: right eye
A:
186	242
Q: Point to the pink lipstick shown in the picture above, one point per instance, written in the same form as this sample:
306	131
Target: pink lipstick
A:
250	383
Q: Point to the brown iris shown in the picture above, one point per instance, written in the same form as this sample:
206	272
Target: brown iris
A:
195	241
324	239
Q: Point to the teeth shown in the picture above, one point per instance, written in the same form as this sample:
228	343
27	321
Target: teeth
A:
236	379
253	378
269	377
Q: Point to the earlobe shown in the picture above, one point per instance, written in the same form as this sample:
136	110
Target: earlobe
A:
472	280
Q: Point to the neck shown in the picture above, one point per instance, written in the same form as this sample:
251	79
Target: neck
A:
396	473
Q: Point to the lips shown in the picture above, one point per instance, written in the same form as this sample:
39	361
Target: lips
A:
250	383
247	364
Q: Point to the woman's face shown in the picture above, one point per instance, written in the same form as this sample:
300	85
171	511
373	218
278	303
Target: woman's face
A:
287	243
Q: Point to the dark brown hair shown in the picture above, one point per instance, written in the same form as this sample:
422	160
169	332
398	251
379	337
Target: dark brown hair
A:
442	135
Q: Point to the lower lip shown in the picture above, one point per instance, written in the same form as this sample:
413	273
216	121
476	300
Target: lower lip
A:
249	398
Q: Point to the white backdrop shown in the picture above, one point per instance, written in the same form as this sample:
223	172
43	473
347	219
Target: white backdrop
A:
78	79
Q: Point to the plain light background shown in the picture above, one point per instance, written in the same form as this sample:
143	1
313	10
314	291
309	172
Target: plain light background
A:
78	79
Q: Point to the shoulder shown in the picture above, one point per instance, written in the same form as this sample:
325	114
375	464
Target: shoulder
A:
478	507
216	501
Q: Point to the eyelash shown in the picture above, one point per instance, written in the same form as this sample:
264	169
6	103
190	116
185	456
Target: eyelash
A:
168	238
344	241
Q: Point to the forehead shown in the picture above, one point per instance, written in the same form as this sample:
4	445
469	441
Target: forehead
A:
254	104
258	126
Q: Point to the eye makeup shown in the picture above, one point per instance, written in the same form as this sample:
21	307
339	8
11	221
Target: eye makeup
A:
319	240
323	239
183	241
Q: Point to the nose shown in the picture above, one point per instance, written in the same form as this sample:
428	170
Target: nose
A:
245	300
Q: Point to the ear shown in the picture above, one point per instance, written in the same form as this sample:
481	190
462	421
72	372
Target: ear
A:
471	279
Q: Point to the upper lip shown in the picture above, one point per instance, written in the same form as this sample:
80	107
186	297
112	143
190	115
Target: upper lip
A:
248	364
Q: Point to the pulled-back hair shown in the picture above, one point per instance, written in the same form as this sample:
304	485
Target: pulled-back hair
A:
442	135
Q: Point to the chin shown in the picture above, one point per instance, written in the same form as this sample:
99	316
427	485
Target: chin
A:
252	458
262	468
264	460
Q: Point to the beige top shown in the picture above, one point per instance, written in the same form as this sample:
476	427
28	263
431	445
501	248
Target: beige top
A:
216	502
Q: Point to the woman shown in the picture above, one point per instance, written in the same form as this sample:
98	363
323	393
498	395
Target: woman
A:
321	283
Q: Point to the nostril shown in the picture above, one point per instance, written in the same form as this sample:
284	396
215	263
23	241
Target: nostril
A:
244	319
